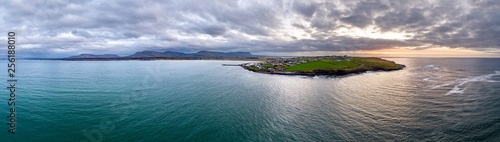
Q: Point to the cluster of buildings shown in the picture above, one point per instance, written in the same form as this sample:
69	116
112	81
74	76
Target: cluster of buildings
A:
279	64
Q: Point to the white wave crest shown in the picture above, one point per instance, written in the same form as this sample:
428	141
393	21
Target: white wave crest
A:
460	82
456	90
432	77
433	67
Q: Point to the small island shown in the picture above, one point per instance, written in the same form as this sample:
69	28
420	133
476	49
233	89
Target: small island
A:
322	65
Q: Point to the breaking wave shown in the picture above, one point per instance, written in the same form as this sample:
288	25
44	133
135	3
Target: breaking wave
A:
432	67
458	88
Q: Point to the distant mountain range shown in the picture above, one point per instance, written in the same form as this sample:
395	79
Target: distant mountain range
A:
148	54
83	56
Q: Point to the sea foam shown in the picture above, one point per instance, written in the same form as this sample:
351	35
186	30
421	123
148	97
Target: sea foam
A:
461	82
433	67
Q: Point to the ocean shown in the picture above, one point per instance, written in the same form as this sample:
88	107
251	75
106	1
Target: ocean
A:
432	99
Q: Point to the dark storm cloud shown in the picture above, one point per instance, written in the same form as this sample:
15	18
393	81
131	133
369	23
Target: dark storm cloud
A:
362	15
81	33
131	35
333	44
403	19
326	17
214	30
305	9
63	28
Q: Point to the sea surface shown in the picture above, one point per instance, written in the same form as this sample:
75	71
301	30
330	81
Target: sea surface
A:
432	99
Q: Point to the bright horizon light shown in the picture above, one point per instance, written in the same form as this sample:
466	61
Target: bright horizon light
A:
371	32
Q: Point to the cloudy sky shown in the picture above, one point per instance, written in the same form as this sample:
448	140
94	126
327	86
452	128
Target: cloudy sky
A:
60	28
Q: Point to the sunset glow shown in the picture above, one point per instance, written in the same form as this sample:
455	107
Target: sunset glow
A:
431	52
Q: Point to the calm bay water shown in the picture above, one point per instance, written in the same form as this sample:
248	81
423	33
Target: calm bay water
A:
442	99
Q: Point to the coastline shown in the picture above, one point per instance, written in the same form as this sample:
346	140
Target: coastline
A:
326	72
139	59
344	65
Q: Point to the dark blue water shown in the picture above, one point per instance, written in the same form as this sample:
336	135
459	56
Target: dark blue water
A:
441	99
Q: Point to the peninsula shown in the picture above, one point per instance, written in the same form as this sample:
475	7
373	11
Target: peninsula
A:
307	66
322	65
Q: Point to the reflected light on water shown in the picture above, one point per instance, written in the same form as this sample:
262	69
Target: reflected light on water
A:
364	104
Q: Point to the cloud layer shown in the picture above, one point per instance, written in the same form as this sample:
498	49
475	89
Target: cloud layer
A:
63	28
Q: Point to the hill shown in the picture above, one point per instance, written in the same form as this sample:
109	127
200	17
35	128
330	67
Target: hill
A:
156	54
153	55
85	56
199	54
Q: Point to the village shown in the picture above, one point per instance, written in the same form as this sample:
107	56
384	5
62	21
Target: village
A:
280	64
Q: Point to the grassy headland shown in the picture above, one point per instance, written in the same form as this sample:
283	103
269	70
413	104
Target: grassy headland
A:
323	65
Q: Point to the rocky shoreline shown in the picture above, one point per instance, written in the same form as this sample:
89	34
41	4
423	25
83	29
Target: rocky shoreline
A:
324	72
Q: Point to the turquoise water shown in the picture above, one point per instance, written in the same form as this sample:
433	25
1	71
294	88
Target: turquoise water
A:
430	100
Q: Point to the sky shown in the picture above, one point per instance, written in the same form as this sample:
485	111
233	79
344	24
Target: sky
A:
384	28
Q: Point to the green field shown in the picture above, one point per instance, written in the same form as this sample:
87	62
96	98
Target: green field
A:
356	63
373	62
322	64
